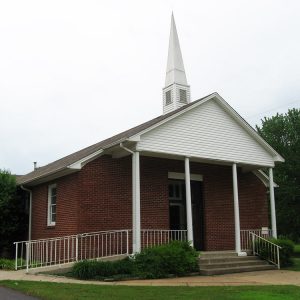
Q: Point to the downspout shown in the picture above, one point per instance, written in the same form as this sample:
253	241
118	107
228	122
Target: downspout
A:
30	210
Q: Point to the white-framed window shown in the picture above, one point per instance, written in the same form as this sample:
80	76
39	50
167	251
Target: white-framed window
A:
51	205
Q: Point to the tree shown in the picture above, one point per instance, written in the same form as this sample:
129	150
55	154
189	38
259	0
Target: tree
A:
282	132
13	223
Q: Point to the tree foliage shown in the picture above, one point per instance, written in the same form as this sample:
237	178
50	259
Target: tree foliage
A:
13	221
282	132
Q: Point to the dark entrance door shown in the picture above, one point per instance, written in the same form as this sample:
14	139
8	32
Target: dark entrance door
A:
177	209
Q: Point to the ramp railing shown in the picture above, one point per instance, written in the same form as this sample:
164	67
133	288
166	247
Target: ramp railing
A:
66	249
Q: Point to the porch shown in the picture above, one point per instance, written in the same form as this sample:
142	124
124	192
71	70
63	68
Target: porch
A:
211	200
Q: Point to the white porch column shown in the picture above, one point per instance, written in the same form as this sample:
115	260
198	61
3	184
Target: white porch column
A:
272	204
189	216
133	204
136	211
236	212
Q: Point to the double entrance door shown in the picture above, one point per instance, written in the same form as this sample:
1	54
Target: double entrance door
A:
177	209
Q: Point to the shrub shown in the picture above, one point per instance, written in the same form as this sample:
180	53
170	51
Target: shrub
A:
177	258
285	253
7	264
85	269
101	269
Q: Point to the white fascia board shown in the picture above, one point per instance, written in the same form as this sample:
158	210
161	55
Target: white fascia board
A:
173	116
80	163
49	177
249	129
264	178
204	158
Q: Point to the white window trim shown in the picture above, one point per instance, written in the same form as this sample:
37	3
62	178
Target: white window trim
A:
194	177
49	222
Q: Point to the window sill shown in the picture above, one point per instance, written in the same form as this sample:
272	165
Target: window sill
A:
49	226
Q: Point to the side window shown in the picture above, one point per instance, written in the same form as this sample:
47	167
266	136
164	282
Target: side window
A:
51	204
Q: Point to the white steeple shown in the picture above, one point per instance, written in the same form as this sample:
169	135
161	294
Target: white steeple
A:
176	92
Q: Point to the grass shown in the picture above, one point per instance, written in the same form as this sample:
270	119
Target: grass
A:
67	291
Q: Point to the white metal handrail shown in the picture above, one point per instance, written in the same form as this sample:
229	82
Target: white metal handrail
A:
246	240
266	249
155	237
66	249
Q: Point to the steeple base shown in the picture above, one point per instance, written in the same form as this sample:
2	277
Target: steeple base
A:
175	96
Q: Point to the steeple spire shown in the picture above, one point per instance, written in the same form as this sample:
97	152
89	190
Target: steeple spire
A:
176	92
175	69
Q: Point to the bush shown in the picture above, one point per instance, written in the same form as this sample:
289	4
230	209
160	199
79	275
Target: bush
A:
285	253
101	269
7	264
177	258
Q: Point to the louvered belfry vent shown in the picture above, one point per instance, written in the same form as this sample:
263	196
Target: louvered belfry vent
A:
168	97
182	96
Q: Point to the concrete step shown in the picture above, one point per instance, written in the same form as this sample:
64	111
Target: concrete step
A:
218	254
233	264
207	260
229	270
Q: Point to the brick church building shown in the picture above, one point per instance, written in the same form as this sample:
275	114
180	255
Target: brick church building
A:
194	171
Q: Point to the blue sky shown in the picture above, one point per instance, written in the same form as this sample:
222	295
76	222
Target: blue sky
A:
75	72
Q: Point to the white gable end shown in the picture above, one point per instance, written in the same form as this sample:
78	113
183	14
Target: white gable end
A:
207	132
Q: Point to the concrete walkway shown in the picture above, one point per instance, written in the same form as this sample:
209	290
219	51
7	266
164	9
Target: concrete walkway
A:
272	277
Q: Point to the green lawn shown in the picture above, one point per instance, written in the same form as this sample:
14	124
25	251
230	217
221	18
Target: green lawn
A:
66	291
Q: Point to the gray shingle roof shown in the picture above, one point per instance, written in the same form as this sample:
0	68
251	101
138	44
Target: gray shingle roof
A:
64	162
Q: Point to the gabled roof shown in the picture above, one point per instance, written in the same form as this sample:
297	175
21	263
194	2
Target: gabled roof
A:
93	151
66	161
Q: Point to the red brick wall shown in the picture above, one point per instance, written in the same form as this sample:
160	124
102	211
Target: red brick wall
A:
66	206
99	197
105	201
